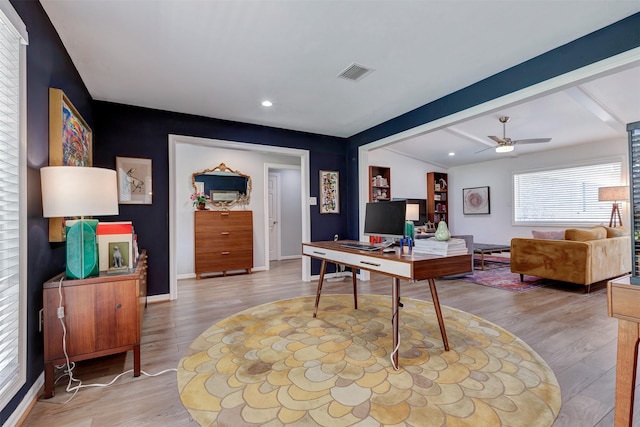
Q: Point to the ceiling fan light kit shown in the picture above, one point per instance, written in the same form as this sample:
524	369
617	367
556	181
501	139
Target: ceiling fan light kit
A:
504	148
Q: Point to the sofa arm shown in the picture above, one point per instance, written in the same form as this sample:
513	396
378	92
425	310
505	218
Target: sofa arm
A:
564	260
610	258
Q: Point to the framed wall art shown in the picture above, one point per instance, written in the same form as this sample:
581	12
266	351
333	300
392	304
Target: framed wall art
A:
134	181
475	201
70	144
329	192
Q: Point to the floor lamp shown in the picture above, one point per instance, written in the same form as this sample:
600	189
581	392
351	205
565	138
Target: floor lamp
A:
75	191
615	195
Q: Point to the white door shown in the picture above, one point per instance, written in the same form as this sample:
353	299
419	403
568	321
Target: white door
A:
274	227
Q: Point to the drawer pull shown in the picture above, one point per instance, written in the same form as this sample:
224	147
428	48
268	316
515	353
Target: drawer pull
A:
370	263
319	253
225	233
224	213
225	253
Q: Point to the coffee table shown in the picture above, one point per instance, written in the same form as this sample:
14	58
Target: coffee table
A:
487	249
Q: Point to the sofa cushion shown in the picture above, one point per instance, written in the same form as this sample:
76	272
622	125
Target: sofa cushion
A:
551	235
584	235
617	231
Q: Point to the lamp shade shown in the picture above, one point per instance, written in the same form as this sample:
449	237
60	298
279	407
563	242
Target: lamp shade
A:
613	194
78	191
413	212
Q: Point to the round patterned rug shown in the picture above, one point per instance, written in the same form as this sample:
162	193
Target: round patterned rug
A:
276	365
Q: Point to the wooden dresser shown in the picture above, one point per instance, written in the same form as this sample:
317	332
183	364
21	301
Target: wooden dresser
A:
223	241
102	316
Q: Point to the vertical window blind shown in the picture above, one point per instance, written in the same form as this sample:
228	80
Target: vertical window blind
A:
12	307
564	196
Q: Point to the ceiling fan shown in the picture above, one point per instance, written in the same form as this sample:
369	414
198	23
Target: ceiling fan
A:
505	144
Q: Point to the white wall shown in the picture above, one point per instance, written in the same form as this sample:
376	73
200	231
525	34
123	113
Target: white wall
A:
194	158
408	175
497	226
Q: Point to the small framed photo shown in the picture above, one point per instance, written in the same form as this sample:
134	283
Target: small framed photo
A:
118	256
329	192
475	201
134	181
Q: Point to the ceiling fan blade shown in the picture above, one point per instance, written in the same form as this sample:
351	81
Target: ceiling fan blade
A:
531	141
498	139
485	149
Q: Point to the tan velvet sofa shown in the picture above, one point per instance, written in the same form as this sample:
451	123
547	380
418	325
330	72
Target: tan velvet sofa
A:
584	256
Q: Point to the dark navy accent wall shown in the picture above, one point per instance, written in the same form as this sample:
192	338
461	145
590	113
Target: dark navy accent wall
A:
127	131
48	65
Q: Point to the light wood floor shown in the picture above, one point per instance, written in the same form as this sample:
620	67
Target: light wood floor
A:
569	329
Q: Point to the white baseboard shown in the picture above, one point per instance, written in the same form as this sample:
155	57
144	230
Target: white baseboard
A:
287	257
27	403
158	298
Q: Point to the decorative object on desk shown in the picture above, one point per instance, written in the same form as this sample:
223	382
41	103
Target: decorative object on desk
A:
115	232
442	233
70	144
329	192
225	186
134	181
79	191
286	374
119	253
413	214
615	195
475	201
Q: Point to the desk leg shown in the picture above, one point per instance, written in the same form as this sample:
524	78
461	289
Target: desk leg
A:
436	305
355	288
395	320
626	368
323	268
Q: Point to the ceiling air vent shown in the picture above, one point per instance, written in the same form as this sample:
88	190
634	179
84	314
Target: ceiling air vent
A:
355	72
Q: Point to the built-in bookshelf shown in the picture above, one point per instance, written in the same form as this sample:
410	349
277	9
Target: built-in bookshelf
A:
437	197
379	183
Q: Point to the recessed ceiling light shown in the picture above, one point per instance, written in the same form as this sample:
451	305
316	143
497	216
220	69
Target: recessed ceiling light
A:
267	103
452	153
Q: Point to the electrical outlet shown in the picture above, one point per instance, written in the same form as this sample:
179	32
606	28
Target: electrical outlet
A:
60	312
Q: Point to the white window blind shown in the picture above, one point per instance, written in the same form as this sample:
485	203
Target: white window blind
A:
12	307
564	196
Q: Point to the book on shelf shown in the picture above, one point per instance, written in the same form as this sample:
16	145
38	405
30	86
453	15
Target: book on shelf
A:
449	247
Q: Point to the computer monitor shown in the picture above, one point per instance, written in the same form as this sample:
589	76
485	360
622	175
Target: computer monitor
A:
385	219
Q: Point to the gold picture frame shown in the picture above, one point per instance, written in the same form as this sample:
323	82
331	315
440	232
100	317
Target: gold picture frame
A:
70	144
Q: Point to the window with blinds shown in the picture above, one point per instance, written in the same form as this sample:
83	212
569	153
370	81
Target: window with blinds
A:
12	204
564	196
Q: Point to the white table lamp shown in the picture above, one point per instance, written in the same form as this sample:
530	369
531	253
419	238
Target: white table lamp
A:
79	191
412	214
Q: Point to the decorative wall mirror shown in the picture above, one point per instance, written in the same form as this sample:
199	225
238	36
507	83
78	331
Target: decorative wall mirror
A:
224	186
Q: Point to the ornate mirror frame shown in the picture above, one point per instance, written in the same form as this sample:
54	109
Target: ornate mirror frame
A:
220	199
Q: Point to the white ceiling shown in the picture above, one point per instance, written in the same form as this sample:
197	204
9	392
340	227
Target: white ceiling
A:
221	58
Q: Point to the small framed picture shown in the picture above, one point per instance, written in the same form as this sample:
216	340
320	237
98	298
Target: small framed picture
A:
475	201
134	181
118	256
329	192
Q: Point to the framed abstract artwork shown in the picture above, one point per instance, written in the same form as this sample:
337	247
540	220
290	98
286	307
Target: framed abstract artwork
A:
329	192
475	201
70	144
134	181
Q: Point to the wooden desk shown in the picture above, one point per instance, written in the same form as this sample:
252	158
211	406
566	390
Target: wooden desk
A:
411	266
624	304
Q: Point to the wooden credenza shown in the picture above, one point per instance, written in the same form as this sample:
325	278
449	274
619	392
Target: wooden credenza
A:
102	316
223	241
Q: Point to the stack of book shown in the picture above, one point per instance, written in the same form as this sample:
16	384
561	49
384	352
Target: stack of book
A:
449	247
